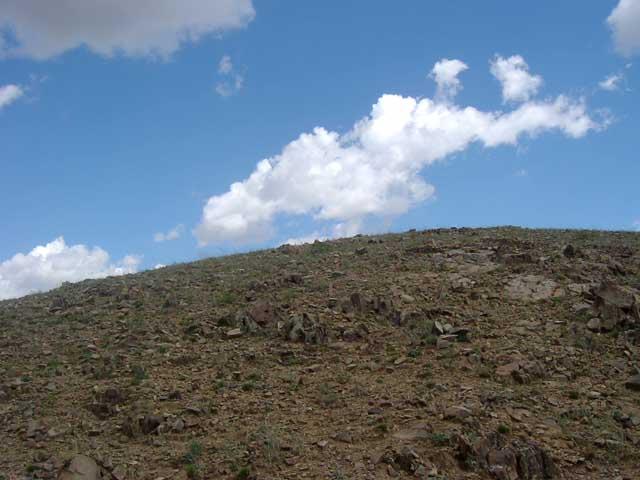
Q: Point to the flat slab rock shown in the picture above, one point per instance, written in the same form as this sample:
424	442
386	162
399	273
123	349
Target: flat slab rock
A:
532	288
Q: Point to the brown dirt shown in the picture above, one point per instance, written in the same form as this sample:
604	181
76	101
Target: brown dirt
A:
443	354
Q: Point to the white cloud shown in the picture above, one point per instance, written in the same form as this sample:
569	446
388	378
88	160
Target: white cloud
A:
232	81
48	266
518	85
612	82
624	22
159	266
9	94
44	29
173	234
225	66
521	172
374	169
312	237
338	230
445	74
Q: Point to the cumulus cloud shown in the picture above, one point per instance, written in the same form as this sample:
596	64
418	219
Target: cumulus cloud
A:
518	85
612	82
232	81
9	94
373	169
173	234
624	22
45	29
445	74
48	266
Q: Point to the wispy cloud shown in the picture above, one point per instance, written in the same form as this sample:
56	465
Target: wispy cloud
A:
374	169
231	81
173	234
611	82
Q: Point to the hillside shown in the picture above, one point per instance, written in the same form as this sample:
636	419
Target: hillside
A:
445	354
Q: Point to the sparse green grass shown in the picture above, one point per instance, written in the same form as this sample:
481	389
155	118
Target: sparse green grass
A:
440	439
338	474
326	395
414	353
319	248
234	455
192	470
248	386
226	298
244	473
270	439
484	371
53	368
191	460
139	374
343	377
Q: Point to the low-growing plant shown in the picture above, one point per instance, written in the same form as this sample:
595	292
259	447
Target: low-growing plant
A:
139	374
226	298
504	429
440	438
326	395
191	459
244	473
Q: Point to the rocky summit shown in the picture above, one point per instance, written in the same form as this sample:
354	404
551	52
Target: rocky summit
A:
499	353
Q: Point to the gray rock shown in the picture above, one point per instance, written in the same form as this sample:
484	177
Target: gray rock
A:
457	413
594	324
81	467
633	383
304	328
532	288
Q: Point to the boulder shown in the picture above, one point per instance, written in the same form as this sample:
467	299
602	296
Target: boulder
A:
507	459
303	328
81	467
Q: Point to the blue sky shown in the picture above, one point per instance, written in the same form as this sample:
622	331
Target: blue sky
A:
122	129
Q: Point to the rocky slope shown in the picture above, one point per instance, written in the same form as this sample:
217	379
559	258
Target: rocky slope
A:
446	354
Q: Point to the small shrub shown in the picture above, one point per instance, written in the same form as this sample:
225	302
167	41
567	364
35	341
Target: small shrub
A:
243	474
504	429
193	471
574	394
